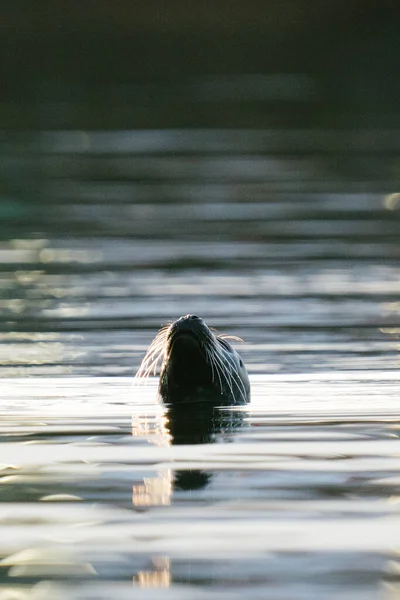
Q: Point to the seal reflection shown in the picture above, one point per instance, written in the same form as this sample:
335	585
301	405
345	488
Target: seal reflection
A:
198	423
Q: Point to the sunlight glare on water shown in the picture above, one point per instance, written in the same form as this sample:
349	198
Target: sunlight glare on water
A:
93	488
240	163
105	492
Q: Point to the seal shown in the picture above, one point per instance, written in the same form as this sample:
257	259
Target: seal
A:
197	365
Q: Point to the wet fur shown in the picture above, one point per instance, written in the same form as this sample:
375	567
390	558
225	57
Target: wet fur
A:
197	365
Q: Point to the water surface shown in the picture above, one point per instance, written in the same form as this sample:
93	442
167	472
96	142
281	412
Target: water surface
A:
295	496
285	238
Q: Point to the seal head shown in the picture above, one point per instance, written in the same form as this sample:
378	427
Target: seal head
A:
197	365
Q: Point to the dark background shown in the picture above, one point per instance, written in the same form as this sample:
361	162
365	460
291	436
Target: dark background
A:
75	64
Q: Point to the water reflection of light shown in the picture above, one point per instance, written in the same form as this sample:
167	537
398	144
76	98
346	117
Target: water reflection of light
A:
64	255
390	330
31	354
20	352
154	491
37	251
391	588
28	244
392	201
27	277
154	428
15	305
67	311
160	577
392	308
46	562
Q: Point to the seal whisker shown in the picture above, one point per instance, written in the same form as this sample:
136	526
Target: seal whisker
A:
224	371
155	348
216	368
196	364
239	382
234	378
149	359
210	362
160	338
227	371
233	373
145	371
153	355
225	336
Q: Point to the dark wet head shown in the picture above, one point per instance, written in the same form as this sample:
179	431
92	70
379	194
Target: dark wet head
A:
201	365
196	364
190	344
187	337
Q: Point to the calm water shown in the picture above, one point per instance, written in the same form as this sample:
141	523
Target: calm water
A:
288	239
296	497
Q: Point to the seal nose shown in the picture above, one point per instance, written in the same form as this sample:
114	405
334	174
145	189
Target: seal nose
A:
192	318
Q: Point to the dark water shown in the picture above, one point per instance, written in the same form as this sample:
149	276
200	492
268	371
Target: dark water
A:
288	238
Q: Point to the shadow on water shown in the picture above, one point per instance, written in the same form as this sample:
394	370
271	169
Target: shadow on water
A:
199	423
